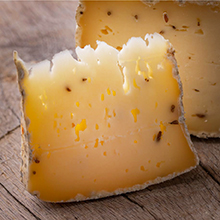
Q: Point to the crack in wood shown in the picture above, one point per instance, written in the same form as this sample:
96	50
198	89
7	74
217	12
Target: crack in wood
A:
141	206
13	112
208	172
9	132
19	202
216	197
131	200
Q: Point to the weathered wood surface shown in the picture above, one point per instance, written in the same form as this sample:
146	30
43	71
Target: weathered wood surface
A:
37	30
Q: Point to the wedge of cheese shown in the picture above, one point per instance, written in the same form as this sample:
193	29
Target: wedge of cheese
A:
109	123
192	28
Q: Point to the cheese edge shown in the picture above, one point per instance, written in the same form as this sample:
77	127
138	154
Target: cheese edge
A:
171	57
78	34
205	135
26	153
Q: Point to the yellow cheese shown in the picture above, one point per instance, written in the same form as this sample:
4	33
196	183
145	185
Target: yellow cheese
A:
192	28
108	123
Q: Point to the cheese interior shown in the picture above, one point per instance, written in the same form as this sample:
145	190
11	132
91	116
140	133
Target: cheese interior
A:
105	124
192	28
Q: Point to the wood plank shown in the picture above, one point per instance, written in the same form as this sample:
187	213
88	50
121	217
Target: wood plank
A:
8	118
209	153
11	209
191	196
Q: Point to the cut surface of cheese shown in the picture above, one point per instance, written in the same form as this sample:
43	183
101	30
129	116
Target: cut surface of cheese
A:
192	28
108	123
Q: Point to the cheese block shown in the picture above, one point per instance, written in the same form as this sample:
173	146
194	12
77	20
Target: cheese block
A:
192	28
108	123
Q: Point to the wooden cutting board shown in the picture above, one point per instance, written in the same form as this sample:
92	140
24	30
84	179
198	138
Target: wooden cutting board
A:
38	30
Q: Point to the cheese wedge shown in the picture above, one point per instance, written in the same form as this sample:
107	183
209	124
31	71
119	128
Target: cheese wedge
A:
109	123
192	28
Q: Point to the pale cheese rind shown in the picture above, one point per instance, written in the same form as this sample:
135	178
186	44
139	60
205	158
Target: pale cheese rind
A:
102	125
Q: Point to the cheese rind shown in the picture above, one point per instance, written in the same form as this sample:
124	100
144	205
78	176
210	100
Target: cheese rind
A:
193	29
90	131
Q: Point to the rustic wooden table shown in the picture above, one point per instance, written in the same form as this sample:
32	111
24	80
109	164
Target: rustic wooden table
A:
38	30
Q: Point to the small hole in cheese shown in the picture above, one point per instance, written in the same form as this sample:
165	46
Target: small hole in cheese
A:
200	32
96	126
96	143
108	91
135	112
102	97
142	168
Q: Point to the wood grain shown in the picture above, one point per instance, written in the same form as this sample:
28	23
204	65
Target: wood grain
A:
38	30
12	209
208	151
191	196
